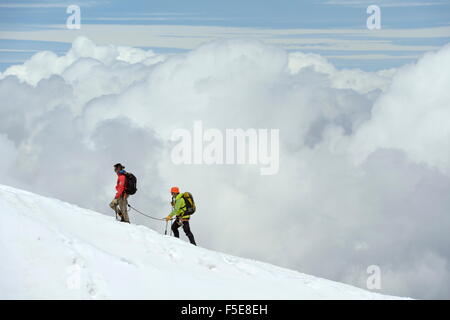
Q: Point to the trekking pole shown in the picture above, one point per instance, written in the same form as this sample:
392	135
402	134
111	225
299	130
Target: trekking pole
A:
165	233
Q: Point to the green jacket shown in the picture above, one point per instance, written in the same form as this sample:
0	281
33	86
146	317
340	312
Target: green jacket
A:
179	207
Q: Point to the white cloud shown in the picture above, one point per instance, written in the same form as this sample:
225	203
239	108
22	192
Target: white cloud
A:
46	63
355	79
414	114
363	156
8	148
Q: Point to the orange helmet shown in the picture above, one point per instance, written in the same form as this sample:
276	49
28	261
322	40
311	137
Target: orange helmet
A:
174	190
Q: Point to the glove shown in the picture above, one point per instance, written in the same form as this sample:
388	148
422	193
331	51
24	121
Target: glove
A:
168	218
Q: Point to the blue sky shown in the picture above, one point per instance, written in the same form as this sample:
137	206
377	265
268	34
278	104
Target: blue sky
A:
335	29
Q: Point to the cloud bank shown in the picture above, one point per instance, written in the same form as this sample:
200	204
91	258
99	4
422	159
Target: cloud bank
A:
364	175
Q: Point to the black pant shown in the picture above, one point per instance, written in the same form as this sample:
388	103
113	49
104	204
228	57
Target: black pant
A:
186	229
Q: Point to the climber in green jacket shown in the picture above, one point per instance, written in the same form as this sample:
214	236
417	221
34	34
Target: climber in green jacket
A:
182	219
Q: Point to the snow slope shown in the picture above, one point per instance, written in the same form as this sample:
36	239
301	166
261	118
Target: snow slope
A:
50	249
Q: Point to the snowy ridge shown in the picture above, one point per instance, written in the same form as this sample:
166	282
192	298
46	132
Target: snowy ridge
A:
50	249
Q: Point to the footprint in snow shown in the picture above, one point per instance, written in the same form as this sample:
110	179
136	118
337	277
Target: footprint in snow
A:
133	234
208	263
229	259
240	265
175	256
74	274
173	253
78	278
96	287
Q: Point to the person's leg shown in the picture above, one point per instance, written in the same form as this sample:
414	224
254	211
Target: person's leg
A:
123	205
175	226
187	230
114	206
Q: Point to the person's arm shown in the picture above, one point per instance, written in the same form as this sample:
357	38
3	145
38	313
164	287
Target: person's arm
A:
120	186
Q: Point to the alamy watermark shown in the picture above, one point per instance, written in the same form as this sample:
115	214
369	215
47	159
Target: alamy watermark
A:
374	280
374	20
231	146
74	20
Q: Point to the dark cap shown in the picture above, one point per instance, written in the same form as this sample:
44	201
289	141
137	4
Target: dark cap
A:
119	166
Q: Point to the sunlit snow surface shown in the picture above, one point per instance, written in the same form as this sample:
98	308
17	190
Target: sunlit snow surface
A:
50	249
